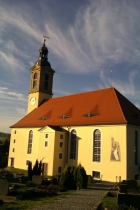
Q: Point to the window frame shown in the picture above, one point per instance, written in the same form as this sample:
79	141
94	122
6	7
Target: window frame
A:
60	155
61	136
46	135
96	157
46	143
35	80
98	176
13	150
73	145
30	142
61	142
14	141
59	169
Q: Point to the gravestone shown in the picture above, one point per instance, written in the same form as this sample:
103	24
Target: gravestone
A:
131	184
123	188
4	187
9	177
36	179
24	179
129	200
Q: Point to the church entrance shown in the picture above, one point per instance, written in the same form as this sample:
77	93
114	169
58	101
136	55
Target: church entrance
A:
45	169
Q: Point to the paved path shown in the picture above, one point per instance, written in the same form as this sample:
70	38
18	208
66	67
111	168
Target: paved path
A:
86	199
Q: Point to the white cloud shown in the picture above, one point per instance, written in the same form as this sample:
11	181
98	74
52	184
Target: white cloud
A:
5	94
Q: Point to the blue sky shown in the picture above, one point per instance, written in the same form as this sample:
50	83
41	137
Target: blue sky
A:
88	41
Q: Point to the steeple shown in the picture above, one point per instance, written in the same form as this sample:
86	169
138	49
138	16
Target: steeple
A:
41	80
43	55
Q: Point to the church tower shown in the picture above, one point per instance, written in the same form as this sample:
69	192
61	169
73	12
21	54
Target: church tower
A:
41	80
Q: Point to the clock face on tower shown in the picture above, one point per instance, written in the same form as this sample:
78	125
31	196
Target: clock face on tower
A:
33	100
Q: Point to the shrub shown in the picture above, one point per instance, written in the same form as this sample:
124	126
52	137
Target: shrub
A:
37	169
67	178
81	177
73	177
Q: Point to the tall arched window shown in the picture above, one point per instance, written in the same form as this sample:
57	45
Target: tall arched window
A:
30	141
46	82
97	146
35	80
136	147
73	144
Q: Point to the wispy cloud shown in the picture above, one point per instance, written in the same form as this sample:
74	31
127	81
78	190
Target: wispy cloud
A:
6	94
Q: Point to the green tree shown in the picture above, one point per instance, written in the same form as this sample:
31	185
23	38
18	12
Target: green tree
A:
74	176
81	177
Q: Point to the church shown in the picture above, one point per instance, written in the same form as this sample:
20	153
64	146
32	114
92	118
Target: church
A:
99	129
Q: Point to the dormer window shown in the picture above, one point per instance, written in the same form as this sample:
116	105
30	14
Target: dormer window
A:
64	116
43	118
89	114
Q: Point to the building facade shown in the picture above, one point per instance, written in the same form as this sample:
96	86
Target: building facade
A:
99	129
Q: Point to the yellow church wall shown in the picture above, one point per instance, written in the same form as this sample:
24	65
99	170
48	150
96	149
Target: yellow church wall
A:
108	168
60	162
21	144
132	168
46	154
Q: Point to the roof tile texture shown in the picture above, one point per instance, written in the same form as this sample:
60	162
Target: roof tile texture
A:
108	106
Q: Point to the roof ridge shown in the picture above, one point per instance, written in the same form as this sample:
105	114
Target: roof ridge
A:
119	103
83	92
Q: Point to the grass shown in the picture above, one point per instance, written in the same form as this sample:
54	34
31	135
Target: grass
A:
111	202
15	170
32	203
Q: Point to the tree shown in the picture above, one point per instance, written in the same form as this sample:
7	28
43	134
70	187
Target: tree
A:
37	169
81	177
74	176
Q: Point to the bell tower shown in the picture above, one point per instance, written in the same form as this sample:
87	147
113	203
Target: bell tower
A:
41	80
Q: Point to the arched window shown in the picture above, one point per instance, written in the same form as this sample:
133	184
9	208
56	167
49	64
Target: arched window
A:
35	80
30	141
136	147
46	82
73	144
97	146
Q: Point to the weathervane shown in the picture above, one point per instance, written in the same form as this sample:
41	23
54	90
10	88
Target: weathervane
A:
44	38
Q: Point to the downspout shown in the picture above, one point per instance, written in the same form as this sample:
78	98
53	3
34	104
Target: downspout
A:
68	143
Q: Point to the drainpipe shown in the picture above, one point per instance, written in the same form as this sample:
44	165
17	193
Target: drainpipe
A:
68	143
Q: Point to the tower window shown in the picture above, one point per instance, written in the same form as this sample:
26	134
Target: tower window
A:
35	81
46	82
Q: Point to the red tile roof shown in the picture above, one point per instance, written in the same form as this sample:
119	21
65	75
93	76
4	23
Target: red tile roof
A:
106	106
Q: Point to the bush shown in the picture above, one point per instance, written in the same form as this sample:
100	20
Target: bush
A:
37	169
81	177
67	178
73	177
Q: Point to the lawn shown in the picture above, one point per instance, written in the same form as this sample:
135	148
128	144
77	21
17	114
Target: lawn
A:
111	202
31	203
14	170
